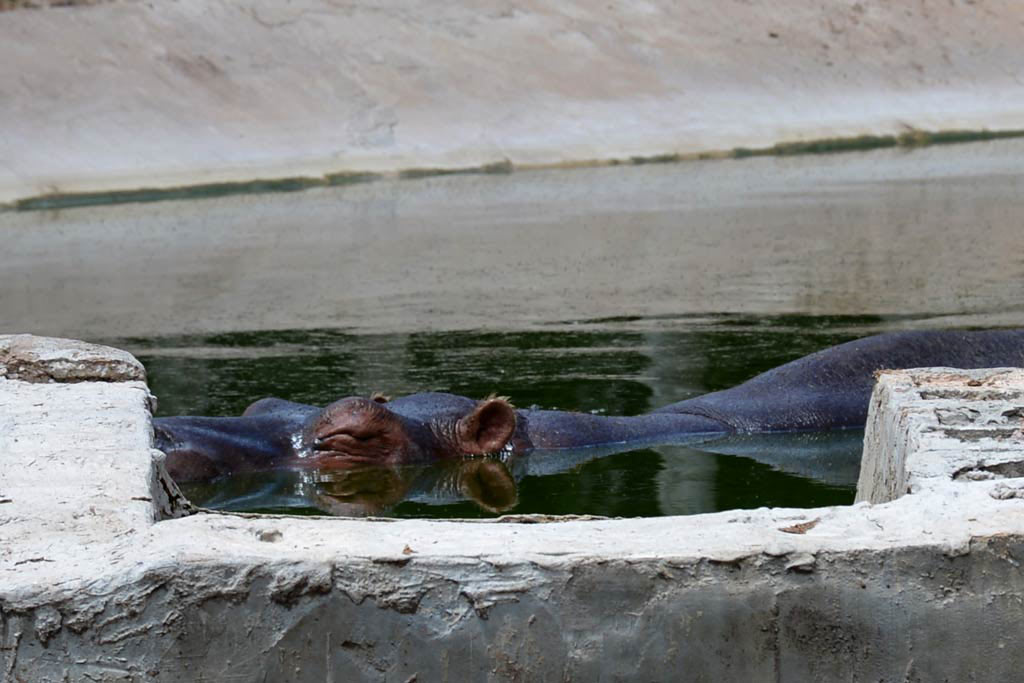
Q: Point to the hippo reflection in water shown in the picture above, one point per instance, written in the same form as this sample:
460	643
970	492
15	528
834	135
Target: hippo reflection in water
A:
829	389
355	488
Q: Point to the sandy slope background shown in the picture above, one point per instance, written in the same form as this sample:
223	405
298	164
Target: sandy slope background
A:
123	95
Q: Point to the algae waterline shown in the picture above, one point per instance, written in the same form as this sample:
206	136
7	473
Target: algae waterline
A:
834	145
608	368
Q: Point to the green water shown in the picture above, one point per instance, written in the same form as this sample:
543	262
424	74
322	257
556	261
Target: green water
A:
615	367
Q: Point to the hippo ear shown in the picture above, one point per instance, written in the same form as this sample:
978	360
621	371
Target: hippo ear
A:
488	428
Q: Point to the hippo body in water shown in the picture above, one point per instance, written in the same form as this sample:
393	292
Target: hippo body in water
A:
829	389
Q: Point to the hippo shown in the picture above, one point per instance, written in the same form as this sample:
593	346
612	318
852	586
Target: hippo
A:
826	390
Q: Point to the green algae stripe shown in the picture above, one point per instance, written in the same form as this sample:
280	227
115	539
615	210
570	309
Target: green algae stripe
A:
911	138
152	194
657	159
350	178
67	200
497	168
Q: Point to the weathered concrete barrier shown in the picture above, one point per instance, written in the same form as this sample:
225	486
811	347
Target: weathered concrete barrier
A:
928	428
104	575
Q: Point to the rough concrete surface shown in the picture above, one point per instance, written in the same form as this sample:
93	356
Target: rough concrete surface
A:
39	359
928	428
125	95
101	578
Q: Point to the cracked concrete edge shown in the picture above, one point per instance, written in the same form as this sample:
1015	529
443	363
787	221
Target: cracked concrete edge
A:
30	358
878	590
931	426
79	481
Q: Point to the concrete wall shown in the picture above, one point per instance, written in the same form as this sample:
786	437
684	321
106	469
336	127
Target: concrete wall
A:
102	578
127	95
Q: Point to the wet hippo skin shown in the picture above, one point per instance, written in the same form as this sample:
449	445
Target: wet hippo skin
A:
829	389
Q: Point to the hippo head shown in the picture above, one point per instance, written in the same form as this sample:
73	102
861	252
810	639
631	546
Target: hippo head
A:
373	430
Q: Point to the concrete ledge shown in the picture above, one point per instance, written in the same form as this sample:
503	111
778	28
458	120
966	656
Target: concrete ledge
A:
96	582
42	359
930	427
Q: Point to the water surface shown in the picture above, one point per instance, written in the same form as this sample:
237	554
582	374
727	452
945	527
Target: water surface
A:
931	233
623	367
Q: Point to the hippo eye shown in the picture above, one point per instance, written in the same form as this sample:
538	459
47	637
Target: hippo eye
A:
378	397
340	440
349	433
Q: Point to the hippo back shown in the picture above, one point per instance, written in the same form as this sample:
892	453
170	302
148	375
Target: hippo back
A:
831	388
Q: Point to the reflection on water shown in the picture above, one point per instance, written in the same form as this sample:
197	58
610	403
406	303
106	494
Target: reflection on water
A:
361	489
790	470
614	367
